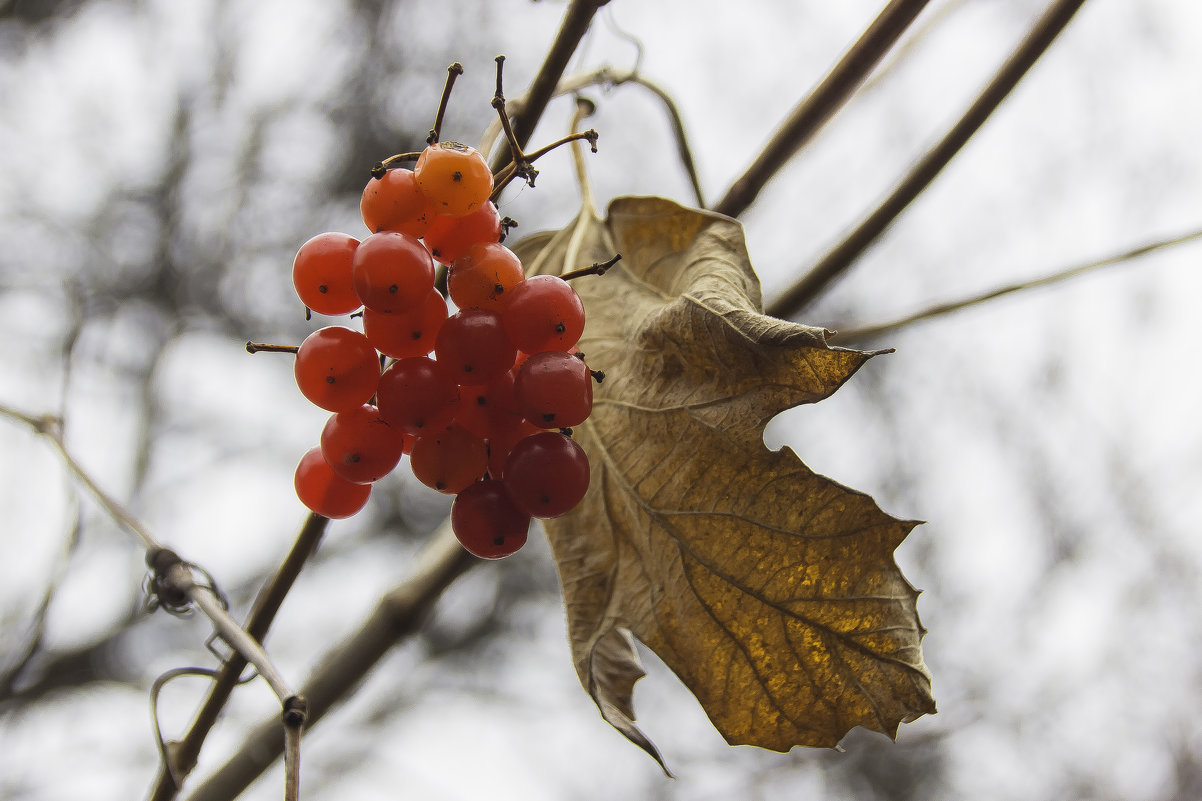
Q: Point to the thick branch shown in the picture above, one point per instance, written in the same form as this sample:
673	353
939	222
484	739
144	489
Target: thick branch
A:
840	258
827	98
398	615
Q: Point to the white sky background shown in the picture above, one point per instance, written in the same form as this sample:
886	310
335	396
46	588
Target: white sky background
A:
1051	439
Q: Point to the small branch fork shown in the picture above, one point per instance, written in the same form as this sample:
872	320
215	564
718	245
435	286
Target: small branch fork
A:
522	164
175	587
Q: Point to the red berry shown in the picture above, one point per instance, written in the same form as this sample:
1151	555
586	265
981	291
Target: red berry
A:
321	274
337	368
417	395
543	313
449	460
473	346
554	389
486	521
392	272
394	203
482	277
407	333
546	474
450	237
360	446
323	492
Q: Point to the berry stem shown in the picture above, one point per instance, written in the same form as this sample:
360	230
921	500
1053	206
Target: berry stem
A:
453	72
597	268
387	164
257	347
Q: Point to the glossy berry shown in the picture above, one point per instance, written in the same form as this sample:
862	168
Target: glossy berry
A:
543	313
546	474
489	409
554	389
408	333
417	395
323	492
486	521
455	178
450	237
392	272
449	460
360	446
337	369
473	346
482	277
321	274
394	203
501	443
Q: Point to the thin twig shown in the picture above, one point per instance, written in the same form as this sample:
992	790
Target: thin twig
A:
821	104
262	615
575	24
871	331
453	72
296	713
398	615
840	257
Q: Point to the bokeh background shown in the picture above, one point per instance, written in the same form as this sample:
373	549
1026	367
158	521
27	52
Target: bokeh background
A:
161	161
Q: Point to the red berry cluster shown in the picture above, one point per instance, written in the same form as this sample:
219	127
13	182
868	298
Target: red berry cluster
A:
484	419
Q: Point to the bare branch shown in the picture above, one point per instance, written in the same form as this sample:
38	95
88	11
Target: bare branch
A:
827	98
398	615
870	331
262	615
840	258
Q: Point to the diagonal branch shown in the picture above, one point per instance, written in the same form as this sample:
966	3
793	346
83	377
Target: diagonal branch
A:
870	331
398	615
262	615
840	257
827	98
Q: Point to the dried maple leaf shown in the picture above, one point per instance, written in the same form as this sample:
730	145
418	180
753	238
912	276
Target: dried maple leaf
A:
772	592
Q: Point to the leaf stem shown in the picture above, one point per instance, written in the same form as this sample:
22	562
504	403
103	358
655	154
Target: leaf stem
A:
841	256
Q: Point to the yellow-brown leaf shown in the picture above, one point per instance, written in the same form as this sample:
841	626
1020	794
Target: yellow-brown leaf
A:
771	591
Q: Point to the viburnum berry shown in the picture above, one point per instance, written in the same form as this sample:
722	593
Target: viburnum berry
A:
546	474
417	395
487	522
393	202
407	333
482	277
543	313
473	346
449	460
450	237
392	272
337	368
360	445
489	409
321	274
554	389
454	177
324	492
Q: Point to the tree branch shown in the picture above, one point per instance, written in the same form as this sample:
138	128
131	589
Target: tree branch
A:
870	331
816	109
398	615
262	615
840	258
